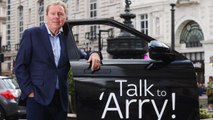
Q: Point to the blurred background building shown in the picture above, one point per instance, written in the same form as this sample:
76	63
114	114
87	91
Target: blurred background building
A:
193	26
2	29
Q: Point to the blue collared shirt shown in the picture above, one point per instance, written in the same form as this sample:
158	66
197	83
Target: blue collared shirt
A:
56	48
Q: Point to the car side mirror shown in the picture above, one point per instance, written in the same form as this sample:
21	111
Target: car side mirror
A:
160	51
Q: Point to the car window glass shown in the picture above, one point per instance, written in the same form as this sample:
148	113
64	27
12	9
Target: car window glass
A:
15	84
3	85
95	37
9	83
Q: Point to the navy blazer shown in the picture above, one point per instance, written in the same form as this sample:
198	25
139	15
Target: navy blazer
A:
36	70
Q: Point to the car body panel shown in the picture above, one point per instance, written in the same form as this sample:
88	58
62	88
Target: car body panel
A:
133	78
10	107
161	88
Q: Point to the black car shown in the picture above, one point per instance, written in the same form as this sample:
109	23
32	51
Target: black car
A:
9	94
160	88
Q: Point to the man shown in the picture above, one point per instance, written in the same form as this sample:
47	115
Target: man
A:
42	65
210	93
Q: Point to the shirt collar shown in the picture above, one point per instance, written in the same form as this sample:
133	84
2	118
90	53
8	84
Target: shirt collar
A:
48	30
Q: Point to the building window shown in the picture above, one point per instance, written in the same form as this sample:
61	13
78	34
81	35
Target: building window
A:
41	12
8	7
93	8
77	5
20	20
93	14
76	37
191	35
29	14
195	56
144	24
197	59
8	20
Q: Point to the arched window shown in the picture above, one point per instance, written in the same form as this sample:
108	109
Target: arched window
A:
20	21
192	35
41	11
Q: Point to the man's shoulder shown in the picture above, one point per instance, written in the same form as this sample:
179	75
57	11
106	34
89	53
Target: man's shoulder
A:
36	28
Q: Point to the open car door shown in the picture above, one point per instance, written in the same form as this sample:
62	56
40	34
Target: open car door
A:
161	88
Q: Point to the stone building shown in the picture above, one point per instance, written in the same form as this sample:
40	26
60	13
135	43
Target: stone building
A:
20	15
193	29
2	20
2	25
193	25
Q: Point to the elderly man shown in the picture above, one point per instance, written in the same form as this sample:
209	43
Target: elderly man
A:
42	65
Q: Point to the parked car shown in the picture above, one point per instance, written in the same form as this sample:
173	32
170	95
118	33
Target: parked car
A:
9	95
163	87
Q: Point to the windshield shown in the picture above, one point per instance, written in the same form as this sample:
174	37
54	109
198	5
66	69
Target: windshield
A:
7	83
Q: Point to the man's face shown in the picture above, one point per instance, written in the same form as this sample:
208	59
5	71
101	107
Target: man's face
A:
56	17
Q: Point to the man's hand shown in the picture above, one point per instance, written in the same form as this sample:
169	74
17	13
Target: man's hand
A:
95	61
31	95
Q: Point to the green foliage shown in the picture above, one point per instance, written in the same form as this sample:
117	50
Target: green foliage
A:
204	114
70	83
71	89
210	88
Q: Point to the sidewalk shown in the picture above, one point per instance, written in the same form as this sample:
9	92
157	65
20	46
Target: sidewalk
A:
203	101
71	116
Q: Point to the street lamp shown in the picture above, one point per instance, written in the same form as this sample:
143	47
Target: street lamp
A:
87	49
8	47
76	38
110	34
87	35
173	4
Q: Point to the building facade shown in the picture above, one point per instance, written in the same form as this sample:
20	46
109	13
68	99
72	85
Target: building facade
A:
20	15
2	20
2	26
193	29
193	25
